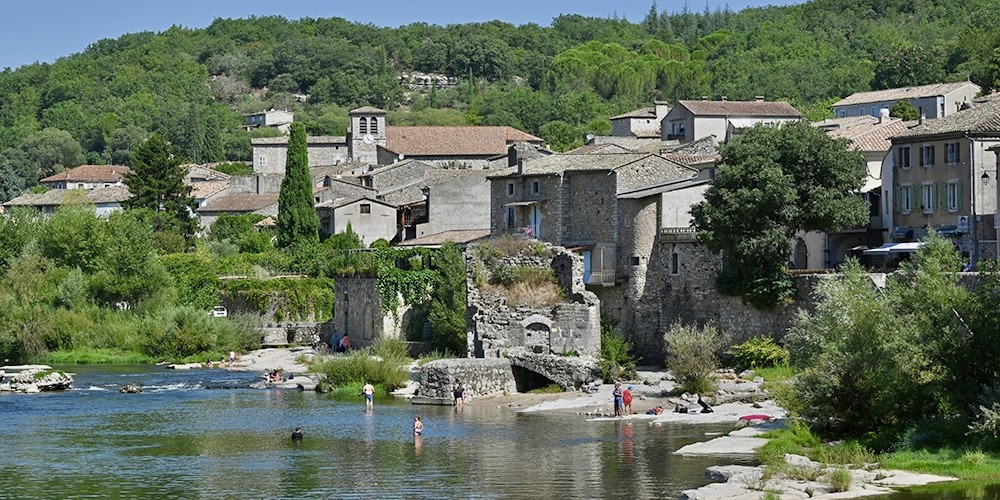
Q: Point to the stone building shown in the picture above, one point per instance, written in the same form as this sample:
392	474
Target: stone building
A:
692	120
87	177
498	327
936	100
644	122
276	118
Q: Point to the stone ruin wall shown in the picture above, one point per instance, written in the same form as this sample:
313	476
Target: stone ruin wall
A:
480	377
496	327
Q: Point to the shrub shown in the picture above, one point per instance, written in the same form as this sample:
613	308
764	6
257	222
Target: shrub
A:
617	361
504	275
358	367
393	349
525	294
691	355
841	480
758	352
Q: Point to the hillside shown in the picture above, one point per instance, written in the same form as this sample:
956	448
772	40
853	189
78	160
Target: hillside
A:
559	81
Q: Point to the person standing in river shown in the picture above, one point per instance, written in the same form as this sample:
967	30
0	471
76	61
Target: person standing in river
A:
617	394
369	392
627	401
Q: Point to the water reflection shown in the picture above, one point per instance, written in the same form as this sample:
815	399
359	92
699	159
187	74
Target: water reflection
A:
186	440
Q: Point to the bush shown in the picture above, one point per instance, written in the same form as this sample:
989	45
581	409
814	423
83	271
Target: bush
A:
358	367
841	480
691	355
504	275
617	361
758	352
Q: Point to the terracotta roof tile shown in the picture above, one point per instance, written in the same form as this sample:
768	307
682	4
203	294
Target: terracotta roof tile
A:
90	173
864	132
202	190
638	113
454	141
240	202
460	236
369	110
56	197
313	139
982	118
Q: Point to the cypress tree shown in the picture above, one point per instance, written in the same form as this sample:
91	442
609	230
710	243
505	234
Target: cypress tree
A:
297	219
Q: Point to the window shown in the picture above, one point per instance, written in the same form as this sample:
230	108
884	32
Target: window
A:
510	188
366	208
906	199
79	185
861	111
927	199
534	187
841	113
904	157
926	156
363	126
954	191
951	153
636	260
373	125
510	218
262	161
675	262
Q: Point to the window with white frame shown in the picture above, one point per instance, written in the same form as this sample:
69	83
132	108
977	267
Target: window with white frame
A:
951	153
954	191
926	156
904	157
927	200
905	199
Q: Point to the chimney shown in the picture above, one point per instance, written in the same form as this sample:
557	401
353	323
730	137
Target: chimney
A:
883	115
758	98
520	166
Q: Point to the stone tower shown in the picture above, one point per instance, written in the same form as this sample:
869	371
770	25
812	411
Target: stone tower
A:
366	134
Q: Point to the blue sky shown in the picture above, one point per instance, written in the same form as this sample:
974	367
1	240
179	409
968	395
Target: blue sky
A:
44	30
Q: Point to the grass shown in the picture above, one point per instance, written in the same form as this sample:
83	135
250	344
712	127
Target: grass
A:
964	464
841	480
90	356
434	356
386	371
777	374
549	389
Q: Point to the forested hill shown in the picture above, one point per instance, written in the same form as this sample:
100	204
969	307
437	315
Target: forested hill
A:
560	81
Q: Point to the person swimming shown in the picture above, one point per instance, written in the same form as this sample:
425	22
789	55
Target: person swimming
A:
297	435
418	426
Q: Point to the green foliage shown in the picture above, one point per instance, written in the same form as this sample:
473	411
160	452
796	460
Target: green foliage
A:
241	231
786	179
306	299
549	389
193	275
447	308
692	355
841	480
796	439
358	367
617	360
904	110
157	184
434	356
297	219
503	275
758	352
233	168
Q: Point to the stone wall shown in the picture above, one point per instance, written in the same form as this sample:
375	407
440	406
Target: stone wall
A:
480	377
571	372
358	312
496	327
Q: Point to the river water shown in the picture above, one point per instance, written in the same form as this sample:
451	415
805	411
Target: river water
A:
206	434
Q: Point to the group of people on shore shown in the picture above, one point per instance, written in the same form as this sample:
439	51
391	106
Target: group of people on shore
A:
622	399
337	343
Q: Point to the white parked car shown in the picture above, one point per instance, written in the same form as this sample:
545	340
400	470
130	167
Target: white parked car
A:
219	312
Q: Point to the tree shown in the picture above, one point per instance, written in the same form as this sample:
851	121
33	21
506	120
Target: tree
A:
297	219
157	184
773	182
446	311
904	110
51	151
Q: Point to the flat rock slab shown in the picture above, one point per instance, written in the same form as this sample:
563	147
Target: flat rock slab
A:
725	445
427	400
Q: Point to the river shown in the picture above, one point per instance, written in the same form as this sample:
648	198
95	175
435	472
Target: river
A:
206	434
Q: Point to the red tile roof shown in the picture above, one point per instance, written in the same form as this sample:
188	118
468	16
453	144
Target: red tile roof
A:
454	141
740	108
90	173
240	202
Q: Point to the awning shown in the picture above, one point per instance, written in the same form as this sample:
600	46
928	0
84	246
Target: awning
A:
899	233
910	246
522	203
882	250
947	231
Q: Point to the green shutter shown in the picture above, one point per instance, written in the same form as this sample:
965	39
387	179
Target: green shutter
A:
958	191
942	192
896	199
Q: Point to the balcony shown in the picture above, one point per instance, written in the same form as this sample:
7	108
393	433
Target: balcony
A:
678	234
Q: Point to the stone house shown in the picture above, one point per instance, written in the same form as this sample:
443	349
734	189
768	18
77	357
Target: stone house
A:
643	122
692	120
369	218
276	118
936	100
586	202
943	174
105	200
871	137
271	153
87	177
441	200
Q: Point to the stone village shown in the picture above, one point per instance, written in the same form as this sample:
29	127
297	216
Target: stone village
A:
611	218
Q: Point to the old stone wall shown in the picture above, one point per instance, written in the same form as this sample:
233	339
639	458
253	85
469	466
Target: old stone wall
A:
571	372
358	312
496	327
480	377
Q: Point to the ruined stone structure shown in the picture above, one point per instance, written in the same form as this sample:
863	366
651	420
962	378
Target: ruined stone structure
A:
521	371
359	314
495	327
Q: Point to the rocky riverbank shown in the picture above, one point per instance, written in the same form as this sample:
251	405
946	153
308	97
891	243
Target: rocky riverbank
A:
30	379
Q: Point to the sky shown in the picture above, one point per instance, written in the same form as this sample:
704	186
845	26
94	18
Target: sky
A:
44	30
